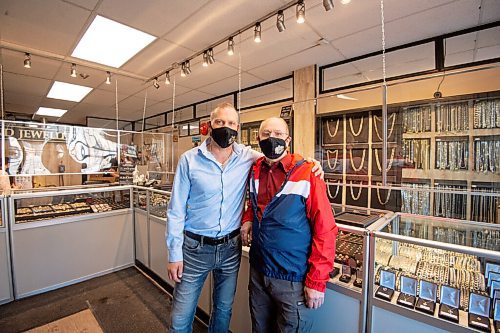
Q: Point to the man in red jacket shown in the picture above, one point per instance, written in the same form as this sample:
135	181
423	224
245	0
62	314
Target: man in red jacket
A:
290	225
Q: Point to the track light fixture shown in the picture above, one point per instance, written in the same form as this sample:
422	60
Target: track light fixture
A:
300	12
183	69
108	77
328	4
73	70
155	83
188	67
280	21
27	60
230	46
210	56
205	59
167	78
257	33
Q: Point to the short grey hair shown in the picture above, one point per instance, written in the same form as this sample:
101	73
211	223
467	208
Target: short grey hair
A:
225	105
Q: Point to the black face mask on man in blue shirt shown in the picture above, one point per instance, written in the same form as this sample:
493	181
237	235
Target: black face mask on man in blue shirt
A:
272	147
224	136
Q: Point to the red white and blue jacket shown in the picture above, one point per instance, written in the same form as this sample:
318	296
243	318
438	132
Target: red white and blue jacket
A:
295	240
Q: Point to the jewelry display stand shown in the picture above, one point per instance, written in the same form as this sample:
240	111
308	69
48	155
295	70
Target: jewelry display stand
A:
455	139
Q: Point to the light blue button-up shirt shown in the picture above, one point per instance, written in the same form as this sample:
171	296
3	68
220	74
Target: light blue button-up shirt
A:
207	198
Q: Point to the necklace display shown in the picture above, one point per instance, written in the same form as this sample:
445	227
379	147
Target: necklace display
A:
336	153
487	241
389	133
336	128
355	197
487	114
415	201
452	155
360	126
391	160
452	117
417	119
484	207
451	205
336	190
356	169
417	153
487	155
387	198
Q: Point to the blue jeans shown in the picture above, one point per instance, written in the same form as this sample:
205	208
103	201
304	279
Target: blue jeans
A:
199	260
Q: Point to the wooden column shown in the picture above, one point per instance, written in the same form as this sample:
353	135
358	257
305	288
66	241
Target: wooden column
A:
304	111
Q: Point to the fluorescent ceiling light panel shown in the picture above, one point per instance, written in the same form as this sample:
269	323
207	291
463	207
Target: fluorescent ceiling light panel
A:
49	112
68	91
111	43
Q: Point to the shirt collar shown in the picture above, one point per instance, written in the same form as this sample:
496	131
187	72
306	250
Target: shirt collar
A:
203	148
285	163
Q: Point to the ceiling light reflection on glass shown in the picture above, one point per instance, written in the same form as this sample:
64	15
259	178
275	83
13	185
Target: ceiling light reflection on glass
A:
68	91
111	43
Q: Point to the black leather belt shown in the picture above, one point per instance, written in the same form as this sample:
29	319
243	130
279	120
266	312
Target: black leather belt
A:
212	240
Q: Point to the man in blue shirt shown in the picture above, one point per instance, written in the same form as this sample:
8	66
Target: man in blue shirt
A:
204	219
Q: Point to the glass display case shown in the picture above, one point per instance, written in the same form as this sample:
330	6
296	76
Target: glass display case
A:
439	271
6	294
45	206
158	202
347	289
140	198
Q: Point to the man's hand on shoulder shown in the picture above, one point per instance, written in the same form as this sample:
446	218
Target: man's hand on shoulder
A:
317	168
175	270
314	298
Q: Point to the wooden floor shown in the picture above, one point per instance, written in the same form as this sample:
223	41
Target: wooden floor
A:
83	321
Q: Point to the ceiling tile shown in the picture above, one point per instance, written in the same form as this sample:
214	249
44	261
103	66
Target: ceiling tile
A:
40	25
26	84
156	58
218	19
155	17
87	4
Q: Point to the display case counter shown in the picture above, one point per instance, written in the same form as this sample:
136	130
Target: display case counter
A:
6	292
79	234
141	225
346	295
433	275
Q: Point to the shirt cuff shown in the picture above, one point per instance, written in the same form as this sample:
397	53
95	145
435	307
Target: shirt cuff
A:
319	286
175	255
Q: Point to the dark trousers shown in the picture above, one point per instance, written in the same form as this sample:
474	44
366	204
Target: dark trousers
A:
278	305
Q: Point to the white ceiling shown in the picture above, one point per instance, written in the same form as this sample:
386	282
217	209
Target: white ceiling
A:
50	30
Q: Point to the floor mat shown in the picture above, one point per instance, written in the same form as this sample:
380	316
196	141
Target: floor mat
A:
83	321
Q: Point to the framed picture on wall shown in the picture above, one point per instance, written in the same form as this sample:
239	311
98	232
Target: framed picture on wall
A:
184	129
194	128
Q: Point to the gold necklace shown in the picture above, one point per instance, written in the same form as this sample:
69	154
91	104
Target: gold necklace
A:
378	195
362	160
392	126
360	126
355	198
336	191
336	128
336	152
389	166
